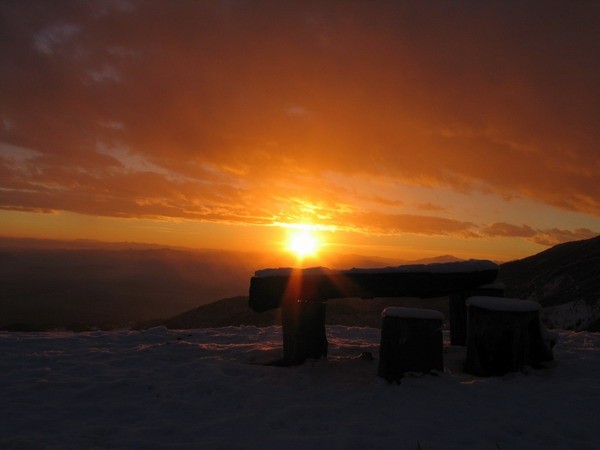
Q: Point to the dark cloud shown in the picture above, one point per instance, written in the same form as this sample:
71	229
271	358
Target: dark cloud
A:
501	229
222	110
406	223
555	236
551	236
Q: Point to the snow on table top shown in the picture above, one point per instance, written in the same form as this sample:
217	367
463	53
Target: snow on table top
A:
494	285
287	271
207	389
503	304
412	313
472	265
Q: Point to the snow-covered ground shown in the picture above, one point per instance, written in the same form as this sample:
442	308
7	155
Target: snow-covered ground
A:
206	389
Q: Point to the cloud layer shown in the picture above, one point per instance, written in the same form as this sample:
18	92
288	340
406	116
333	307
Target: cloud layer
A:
238	111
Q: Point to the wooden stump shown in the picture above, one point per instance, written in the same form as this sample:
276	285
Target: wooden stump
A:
504	335
411	341
458	309
304	336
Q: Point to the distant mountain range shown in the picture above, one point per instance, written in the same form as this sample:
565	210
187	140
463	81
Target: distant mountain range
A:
564	279
81	285
87	284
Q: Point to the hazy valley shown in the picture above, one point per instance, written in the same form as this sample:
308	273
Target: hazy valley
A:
86	284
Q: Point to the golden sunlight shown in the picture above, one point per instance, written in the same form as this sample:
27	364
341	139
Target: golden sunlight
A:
303	243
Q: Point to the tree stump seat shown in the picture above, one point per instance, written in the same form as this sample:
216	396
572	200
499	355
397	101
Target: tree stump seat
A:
504	335
411	341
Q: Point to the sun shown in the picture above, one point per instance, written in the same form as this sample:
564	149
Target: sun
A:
303	243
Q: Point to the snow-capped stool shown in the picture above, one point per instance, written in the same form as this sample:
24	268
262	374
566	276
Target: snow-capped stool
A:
411	341
504	335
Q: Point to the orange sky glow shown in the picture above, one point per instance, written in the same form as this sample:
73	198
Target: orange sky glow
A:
395	129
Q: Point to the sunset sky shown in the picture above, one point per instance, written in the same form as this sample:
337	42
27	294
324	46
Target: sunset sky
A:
399	129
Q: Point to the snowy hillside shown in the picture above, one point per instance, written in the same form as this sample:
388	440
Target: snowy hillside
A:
207	388
564	279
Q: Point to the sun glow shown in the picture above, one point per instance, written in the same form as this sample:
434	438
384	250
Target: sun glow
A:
303	243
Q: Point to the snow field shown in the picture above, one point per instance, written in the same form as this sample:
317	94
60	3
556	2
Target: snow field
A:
208	389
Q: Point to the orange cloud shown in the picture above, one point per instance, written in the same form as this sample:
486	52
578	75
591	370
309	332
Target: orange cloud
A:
208	111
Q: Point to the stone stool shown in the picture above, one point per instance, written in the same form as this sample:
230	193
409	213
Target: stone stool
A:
503	335
411	341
